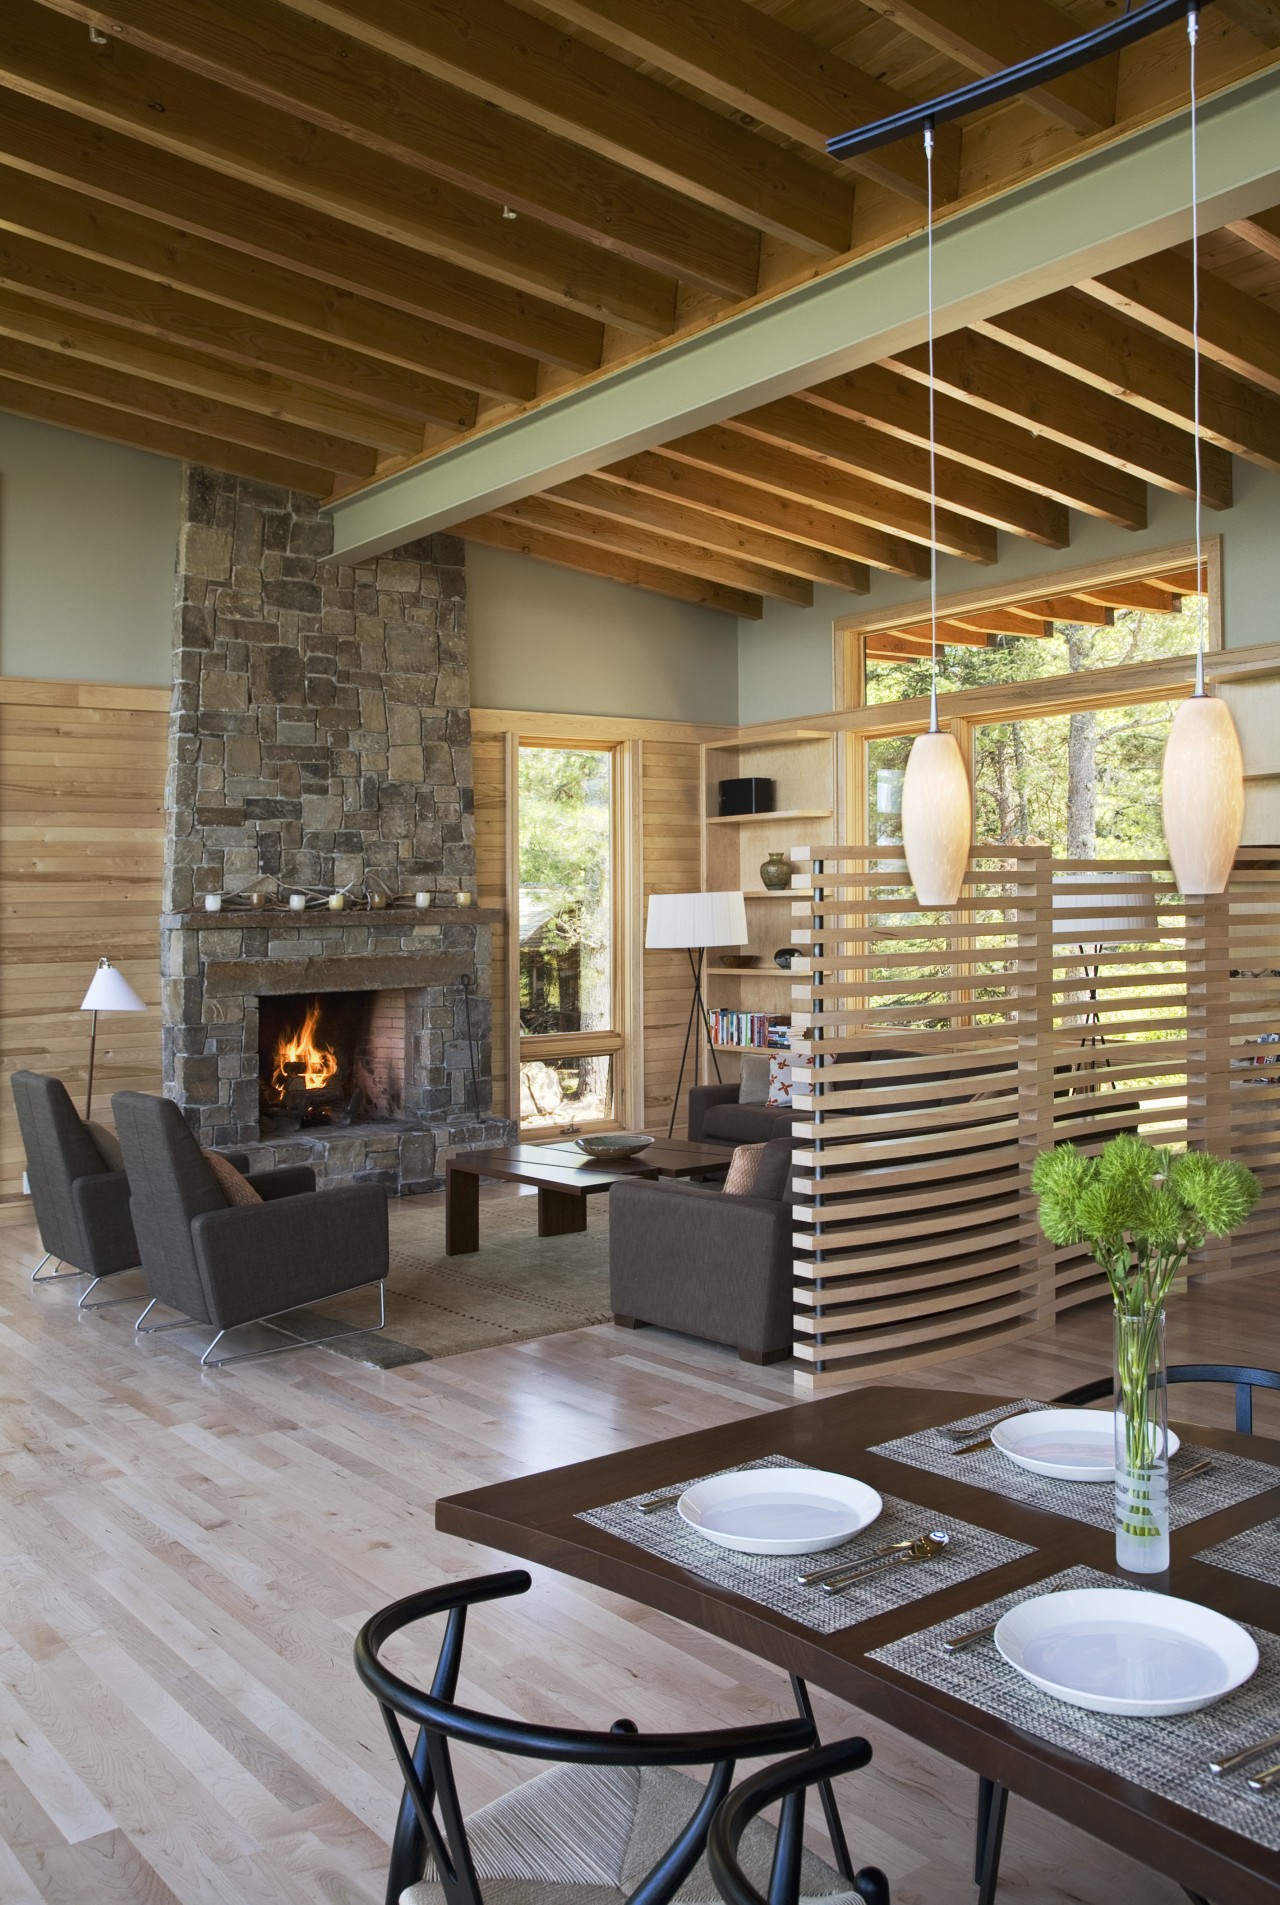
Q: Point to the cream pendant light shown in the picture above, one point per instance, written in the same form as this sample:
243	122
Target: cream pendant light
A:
1202	799
936	804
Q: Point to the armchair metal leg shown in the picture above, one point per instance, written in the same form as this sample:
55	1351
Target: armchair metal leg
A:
143	1328
54	1276
835	1826
210	1361
110	1303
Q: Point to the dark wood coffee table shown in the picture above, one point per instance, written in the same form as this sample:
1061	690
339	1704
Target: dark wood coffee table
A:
565	1178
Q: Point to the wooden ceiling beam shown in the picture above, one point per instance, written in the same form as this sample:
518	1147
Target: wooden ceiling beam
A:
60	279
68	151
163	256
950	632
1134	595
997	379
1071	333
714	493
757	65
255	390
531	68
988	35
497	533
1001	622
1185	581
1262	231
52	58
1240	333
977	440
707	532
115	389
726	450
564	518
1259	17
847	445
331	80
1067	608
161	439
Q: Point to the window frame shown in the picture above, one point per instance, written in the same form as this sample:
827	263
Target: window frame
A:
616	1042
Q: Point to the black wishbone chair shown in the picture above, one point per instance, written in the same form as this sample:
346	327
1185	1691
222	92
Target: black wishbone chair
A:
612	1815
731	1855
992	1798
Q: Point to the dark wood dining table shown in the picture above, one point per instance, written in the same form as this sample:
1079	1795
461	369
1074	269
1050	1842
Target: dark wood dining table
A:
533	1517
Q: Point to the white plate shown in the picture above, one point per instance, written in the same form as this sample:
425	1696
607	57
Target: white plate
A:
1073	1445
779	1510
1118	1650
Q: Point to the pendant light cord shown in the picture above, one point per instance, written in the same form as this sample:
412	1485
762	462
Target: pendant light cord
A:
1193	34
933	442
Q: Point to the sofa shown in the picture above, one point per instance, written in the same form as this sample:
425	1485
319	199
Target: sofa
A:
716	1117
706	1262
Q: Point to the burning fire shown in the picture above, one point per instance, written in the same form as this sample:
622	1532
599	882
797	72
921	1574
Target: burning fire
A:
302	1049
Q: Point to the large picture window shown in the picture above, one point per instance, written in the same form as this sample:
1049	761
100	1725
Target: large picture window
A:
568	991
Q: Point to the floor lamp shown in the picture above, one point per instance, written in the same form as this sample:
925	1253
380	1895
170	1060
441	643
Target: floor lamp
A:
109	991
690	922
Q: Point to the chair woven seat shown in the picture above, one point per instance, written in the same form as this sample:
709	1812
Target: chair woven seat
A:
587	1835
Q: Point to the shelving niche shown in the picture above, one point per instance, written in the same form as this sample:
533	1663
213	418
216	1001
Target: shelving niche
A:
802	765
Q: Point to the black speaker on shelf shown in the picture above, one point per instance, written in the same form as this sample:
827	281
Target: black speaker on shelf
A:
751	796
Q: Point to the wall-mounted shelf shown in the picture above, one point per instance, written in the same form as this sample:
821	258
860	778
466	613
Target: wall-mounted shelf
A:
786	893
763	820
778	740
749	972
768	1049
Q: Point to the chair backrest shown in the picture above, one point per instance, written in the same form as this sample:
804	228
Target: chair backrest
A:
788	1782
1246	1380
170	1185
430	1822
59	1150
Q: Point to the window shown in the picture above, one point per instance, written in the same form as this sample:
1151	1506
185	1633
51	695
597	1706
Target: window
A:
568	982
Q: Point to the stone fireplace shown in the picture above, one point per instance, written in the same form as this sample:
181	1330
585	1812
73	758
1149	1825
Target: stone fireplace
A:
320	744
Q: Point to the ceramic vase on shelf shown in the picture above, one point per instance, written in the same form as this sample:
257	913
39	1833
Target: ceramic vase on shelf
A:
1142	1443
775	872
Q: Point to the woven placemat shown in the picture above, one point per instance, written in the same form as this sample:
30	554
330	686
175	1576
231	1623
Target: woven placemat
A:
1255	1552
1231	1479
771	1579
1166	1756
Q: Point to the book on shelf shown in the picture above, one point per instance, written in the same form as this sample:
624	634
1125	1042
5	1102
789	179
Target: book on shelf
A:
763	1030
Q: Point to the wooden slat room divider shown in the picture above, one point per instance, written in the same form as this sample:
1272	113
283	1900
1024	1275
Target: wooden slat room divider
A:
938	1052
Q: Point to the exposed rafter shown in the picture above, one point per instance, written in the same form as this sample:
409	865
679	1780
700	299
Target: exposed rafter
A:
521	540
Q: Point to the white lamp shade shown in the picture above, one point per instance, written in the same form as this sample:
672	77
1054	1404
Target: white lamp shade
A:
695	920
110	991
937	823
1203	795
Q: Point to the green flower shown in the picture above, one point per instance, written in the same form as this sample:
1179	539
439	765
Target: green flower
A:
1220	1191
1105	1210
1128	1161
1062	1174
1059	1222
1162	1219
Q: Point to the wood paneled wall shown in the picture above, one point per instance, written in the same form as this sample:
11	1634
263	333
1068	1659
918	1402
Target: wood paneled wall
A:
939	1051
82	773
659	765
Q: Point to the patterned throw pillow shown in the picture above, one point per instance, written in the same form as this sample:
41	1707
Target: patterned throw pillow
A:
759	1170
779	1080
234	1187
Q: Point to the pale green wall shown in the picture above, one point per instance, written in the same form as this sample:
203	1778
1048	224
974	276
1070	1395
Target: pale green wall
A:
784	661
88	540
560	642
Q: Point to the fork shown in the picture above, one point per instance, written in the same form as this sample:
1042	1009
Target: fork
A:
1228	1765
971	1429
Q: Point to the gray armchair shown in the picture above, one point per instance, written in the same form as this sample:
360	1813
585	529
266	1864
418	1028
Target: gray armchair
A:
222	1265
81	1204
704	1262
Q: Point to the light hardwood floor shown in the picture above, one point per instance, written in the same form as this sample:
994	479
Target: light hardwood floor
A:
185	1558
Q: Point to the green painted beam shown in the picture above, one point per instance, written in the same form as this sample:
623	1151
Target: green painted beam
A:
1089	215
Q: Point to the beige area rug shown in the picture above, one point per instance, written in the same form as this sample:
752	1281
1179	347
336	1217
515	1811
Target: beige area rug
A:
515	1287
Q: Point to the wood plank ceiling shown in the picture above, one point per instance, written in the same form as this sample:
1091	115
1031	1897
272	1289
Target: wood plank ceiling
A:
312	241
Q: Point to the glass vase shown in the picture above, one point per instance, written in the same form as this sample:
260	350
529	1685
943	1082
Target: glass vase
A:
1141	1443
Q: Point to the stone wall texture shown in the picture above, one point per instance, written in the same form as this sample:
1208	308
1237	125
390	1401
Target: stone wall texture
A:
320	740
321	713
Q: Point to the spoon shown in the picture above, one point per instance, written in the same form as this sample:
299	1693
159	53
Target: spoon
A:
924	1549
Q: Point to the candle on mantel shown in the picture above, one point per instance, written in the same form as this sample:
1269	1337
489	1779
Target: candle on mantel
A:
464	899
297	902
336	902
422	899
213	902
378	901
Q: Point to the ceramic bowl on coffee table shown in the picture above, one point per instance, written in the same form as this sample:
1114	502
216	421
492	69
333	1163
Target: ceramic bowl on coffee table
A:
610	1147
